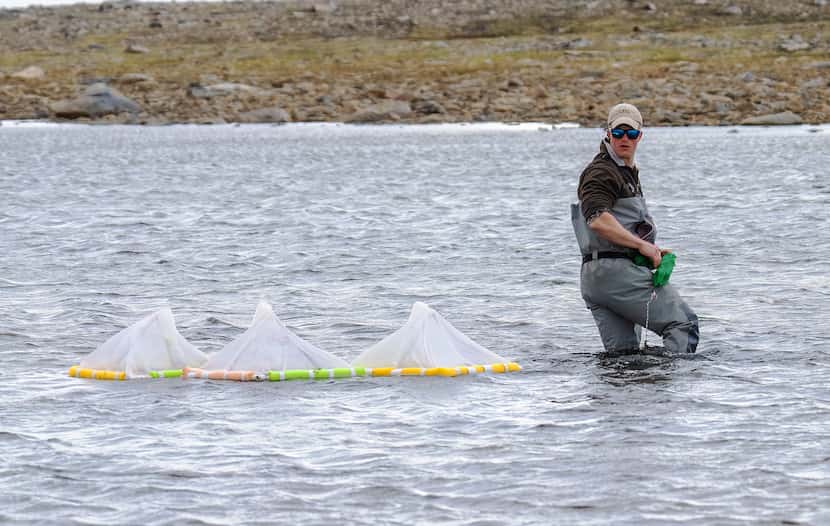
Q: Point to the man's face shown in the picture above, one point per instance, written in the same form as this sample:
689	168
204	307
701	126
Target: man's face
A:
624	146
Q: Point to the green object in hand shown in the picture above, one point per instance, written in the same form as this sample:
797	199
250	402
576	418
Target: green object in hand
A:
642	261
660	276
663	272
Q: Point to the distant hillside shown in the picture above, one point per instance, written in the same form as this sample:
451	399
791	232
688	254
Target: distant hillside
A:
682	62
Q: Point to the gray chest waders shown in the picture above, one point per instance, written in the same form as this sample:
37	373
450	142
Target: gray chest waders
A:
620	294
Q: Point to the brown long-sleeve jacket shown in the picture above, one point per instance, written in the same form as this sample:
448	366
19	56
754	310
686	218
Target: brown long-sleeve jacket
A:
603	181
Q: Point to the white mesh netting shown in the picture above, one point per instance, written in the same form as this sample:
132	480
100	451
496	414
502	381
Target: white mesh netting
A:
269	346
426	340
151	344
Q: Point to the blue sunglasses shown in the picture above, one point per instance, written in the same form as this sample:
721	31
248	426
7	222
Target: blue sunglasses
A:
618	133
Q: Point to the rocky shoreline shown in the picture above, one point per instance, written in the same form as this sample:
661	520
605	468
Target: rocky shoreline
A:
709	62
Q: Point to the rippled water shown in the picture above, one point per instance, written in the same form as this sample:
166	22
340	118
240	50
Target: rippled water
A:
342	229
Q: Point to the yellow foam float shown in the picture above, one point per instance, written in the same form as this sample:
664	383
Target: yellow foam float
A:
96	374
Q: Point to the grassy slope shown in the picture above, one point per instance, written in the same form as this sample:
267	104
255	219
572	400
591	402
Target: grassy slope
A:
429	55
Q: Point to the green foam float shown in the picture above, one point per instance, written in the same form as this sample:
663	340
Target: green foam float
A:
167	373
315	374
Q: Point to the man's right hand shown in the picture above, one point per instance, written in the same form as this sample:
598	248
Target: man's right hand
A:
652	252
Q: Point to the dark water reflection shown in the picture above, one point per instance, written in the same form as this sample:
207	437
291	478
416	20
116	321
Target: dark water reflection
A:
342	229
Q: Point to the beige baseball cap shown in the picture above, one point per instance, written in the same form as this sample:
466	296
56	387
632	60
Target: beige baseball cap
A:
625	114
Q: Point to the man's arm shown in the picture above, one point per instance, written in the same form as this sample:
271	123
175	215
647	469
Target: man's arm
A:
607	227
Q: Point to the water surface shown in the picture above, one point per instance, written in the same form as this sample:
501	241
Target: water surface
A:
342	228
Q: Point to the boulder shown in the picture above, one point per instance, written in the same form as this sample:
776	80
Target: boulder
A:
135	48
210	121
718	103
774	119
391	110
315	114
793	44
511	103
429	107
670	117
579	43
470	85
96	101
324	8
134	78
198	91
813	84
684	66
30	73
273	115
432	119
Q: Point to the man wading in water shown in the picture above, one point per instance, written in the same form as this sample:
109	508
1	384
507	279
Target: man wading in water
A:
612	225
